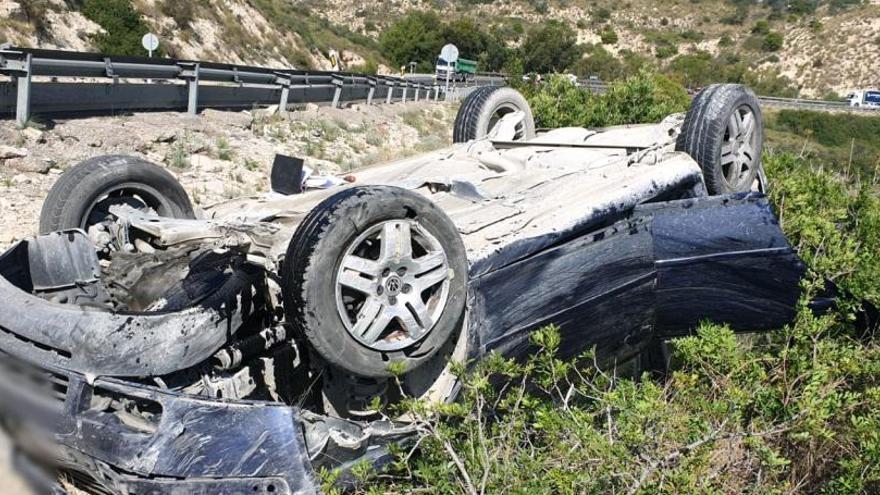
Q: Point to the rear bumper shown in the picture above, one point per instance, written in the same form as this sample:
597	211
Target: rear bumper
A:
188	444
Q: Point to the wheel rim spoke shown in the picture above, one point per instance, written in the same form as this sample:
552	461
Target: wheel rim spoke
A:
409	323
431	279
733	171
396	241
420	311
733	125
748	126
377	327
354	281
367	316
361	265
429	262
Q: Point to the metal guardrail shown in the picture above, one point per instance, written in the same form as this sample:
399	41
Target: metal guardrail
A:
169	84
823	105
596	86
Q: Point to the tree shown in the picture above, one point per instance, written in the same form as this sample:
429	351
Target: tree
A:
419	37
414	38
601	63
551	47
696	69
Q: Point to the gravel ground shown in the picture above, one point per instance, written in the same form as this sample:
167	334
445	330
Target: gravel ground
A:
217	155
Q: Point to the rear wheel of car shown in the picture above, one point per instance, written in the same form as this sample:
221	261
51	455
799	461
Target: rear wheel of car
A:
82	197
724	132
484	107
375	279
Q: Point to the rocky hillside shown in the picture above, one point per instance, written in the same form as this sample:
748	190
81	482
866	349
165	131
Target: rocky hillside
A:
265	32
829	49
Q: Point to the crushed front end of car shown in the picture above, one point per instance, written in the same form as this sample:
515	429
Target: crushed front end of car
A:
171	380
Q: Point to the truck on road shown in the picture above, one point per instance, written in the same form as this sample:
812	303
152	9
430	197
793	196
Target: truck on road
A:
864	98
460	70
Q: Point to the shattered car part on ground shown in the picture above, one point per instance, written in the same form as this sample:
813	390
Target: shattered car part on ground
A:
145	352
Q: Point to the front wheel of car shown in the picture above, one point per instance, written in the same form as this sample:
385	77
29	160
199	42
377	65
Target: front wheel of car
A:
375	279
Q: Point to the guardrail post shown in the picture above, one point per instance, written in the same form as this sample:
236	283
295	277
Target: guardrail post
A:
405	89
337	94
390	83
418	89
190	72
284	81
23	92
18	66
436	92
373	82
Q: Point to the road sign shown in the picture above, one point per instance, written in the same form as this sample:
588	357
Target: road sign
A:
449	53
150	42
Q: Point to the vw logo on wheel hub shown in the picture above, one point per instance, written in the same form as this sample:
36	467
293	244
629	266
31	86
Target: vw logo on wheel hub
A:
393	285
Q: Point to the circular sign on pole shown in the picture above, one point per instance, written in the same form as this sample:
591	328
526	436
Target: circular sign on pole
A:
449	53
150	42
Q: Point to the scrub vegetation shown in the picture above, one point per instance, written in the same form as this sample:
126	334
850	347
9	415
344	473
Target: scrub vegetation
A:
641	98
123	26
839	140
796	410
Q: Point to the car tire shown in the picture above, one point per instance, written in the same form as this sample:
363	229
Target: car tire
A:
723	131
363	320
484	106
84	192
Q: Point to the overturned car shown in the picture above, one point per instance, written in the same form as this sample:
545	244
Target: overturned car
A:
143	350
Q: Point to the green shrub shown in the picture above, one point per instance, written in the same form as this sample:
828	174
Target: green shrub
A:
641	98
665	51
608	36
773	42
761	27
123	25
601	15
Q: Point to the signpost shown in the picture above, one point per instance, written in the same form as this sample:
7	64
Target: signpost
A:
150	42
449	53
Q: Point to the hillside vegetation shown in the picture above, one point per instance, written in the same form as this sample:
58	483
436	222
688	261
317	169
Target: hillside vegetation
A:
811	47
839	141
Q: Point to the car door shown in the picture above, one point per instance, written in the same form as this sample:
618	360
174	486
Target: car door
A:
659	271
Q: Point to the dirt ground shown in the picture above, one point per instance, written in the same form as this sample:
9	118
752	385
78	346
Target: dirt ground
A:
217	155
